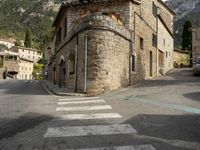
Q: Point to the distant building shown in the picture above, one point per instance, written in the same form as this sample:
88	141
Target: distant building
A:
8	43
105	45
27	53
195	42
16	67
181	58
10	63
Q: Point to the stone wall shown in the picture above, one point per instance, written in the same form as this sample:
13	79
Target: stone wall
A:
108	55
142	30
11	65
1	73
166	45
196	42
108	61
181	58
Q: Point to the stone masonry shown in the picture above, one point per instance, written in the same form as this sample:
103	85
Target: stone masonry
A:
116	55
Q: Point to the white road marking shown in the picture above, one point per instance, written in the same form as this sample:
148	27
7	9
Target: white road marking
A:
79	98
81	102
100	107
89	116
131	147
89	130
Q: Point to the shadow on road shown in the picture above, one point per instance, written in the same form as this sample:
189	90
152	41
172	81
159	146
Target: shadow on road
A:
10	127
21	87
193	96
171	127
176	77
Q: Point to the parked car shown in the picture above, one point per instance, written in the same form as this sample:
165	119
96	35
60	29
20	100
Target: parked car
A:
196	67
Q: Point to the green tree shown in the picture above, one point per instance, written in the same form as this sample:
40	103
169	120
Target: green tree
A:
187	36
18	43
28	39
37	71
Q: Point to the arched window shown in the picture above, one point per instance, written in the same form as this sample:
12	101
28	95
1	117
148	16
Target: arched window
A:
71	64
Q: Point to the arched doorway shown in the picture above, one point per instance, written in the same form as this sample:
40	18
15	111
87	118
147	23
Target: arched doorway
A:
62	72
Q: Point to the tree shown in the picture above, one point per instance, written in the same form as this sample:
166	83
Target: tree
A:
28	39
18	43
187	36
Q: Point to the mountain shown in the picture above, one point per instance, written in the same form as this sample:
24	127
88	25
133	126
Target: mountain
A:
16	16
185	10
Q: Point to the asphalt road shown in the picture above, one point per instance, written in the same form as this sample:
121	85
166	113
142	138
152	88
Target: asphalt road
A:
160	114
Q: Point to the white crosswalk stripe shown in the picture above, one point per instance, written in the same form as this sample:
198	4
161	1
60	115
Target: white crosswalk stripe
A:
81	102
84	108
130	147
79	98
89	116
90	130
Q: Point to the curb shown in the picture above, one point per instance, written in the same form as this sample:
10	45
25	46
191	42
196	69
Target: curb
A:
52	92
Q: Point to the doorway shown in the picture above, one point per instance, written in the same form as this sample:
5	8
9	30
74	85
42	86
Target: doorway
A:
62	72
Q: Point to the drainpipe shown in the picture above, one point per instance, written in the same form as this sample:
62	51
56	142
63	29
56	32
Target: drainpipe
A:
76	63
85	64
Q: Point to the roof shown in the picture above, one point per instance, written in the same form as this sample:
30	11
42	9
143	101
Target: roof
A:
181	51
167	7
70	3
26	59
25	48
8	53
195	27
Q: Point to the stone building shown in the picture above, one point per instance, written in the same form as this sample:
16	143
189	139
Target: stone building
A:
16	67
27	53
107	44
181	58
9	63
196	42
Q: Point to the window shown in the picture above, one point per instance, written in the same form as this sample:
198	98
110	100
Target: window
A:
166	54
164	42
154	40
65	27
71	67
141	43
154	9
59	34
133	63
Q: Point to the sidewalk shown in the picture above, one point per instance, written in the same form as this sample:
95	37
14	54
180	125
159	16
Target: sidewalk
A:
58	90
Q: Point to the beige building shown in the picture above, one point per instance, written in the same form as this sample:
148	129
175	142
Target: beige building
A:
196	42
25	69
181	58
16	67
27	53
106	45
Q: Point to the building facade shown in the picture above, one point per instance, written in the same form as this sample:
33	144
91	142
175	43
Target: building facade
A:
196	42
27	53
105	45
16	67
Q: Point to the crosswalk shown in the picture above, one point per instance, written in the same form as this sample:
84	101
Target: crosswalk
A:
90	108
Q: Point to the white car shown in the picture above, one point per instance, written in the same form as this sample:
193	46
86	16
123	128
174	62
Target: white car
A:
196	67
